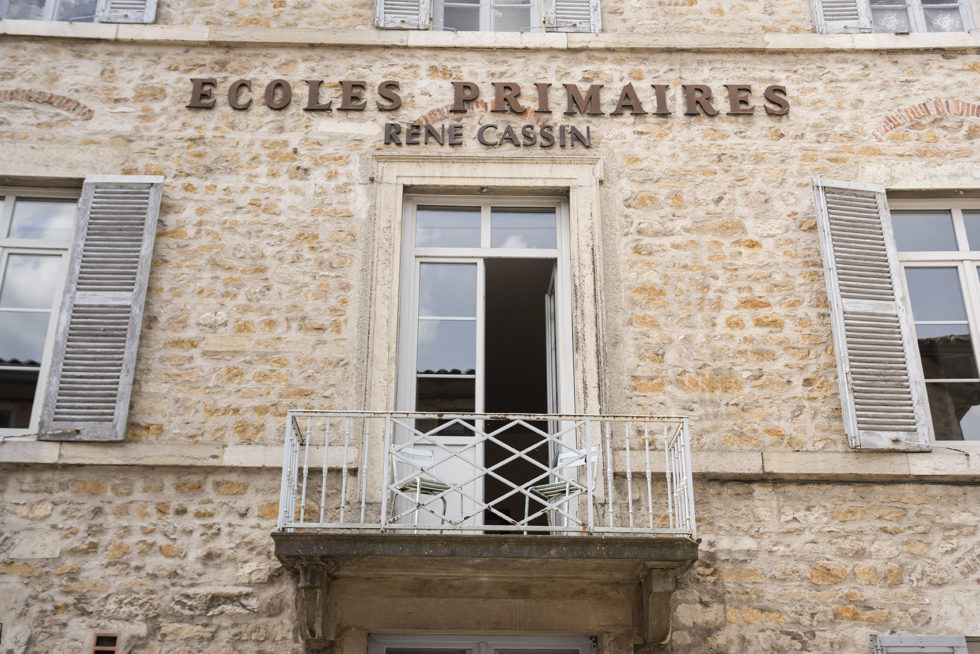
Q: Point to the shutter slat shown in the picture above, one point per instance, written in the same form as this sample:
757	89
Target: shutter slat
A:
402	14
574	16
882	390
126	11
836	16
101	313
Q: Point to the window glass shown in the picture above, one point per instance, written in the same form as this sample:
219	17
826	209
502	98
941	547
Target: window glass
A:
511	15
922	231
942	16
523	228
971	220
941	325
82	11
25	9
447	346
447	227
890	16
955	408
30	280
43	219
447	290
935	294
462	15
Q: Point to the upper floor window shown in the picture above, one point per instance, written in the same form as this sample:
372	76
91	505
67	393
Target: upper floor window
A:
939	249
35	235
81	11
895	16
489	15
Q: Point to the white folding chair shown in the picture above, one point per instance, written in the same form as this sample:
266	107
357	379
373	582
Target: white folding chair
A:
554	493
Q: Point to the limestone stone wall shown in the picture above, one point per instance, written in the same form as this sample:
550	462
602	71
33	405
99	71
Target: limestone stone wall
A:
715	302
180	560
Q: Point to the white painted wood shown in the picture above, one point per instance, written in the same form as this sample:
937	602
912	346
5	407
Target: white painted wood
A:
87	392
402	14
126	11
841	16
891	644
883	397
574	16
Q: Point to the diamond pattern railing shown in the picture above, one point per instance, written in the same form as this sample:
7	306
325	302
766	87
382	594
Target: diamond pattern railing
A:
478	473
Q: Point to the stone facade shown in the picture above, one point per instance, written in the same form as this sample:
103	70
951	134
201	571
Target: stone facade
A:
714	305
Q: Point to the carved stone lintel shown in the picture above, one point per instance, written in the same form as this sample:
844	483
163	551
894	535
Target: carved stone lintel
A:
656	588
311	603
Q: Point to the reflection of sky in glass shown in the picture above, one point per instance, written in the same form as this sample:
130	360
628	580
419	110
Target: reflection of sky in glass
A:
48	219
447	345
523	229
970	424
29	281
22	335
935	294
79	10
447	227
447	289
971	220
920	231
26	9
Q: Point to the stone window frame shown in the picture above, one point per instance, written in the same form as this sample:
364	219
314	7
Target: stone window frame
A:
476	644
901	644
105	11
395	176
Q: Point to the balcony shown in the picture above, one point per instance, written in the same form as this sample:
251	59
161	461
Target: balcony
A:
474	498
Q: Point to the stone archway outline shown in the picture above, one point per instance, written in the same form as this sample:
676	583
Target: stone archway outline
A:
936	107
43	97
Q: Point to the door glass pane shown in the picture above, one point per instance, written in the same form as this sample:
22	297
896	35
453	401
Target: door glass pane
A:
536	651
425	650
82	11
447	227
447	290
30	280
461	18
955	410
26	9
918	231
890	16
971	220
47	219
22	335
523	228
447	346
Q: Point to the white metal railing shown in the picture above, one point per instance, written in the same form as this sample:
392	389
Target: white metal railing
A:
477	473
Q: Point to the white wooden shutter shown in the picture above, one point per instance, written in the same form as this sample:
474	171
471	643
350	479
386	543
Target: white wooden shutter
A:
126	11
836	16
402	14
883	397
574	16
918	644
87	393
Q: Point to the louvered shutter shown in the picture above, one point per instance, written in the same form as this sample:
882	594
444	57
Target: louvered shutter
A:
574	16
836	16
102	309
883	395
918	644
402	14
126	11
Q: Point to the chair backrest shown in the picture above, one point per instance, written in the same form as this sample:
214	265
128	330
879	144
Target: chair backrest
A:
407	461
567	460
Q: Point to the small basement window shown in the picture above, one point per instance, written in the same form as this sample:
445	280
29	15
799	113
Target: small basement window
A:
105	643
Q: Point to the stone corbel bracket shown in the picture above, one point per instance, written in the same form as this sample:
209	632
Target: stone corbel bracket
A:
652	608
311	605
